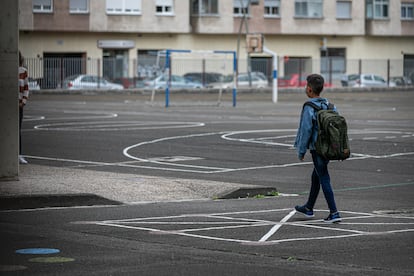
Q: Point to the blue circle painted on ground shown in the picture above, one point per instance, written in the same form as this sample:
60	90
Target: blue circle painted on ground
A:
39	251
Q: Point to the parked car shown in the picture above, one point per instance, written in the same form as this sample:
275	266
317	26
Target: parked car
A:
160	82
33	84
260	75
125	82
349	80
294	81
258	81
363	80
89	82
399	81
242	81
204	78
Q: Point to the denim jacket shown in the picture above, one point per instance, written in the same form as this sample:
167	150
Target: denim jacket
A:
308	127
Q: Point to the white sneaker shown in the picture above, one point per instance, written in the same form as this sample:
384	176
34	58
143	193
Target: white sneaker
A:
22	160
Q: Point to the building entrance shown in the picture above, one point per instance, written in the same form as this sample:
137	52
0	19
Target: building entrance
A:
115	64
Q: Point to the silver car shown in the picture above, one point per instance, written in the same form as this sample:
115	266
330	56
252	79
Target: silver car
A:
257	81
89	82
160	82
363	80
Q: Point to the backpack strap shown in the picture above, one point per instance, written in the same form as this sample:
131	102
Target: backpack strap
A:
315	106
330	106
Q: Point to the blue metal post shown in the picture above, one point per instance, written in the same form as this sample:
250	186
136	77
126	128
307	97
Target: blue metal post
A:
167	68
234	79
168	71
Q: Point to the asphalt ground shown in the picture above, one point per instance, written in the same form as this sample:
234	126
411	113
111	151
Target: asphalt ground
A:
157	173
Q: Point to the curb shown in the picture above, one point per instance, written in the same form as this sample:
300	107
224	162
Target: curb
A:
56	200
247	192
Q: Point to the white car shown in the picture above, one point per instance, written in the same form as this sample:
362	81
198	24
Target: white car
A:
363	80
89	82
257	81
160	82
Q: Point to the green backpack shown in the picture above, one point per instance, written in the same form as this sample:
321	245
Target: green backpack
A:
332	142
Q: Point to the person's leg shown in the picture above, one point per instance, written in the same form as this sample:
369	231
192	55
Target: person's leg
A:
20	129
307	209
314	191
321	168
21	158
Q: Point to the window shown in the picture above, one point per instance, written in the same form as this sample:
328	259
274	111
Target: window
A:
240	7
343	9
377	9
79	6
407	11
123	6
204	7
272	8
378	78
42	5
308	8
164	7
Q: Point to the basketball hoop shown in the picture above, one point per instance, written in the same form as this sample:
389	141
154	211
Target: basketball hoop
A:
254	43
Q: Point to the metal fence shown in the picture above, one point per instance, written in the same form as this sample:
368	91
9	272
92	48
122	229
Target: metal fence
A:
51	72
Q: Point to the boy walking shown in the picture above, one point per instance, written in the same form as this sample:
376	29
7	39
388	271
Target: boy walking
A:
305	139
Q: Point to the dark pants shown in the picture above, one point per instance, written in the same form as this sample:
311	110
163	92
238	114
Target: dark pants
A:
20	128
320	177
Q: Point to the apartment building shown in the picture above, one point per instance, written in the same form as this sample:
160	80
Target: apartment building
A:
130	32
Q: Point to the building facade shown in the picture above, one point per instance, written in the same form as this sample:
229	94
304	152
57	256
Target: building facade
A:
126	35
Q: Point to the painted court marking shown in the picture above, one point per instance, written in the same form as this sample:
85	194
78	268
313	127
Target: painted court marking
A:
44	259
178	162
233	226
172	163
238	136
38	251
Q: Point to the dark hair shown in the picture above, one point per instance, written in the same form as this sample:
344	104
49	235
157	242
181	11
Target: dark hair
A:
315	82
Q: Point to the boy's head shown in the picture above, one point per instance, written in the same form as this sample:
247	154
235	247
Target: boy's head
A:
315	83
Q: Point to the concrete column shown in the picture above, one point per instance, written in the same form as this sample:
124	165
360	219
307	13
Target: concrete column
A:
9	109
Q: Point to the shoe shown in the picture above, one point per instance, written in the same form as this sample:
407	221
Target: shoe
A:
22	160
333	218
305	211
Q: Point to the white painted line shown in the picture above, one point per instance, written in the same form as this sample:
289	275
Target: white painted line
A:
115	125
127	149
201	169
277	226
119	164
235	221
33	118
377	223
328	228
228	135
172	165
179	158
223	227
312	238
241	219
